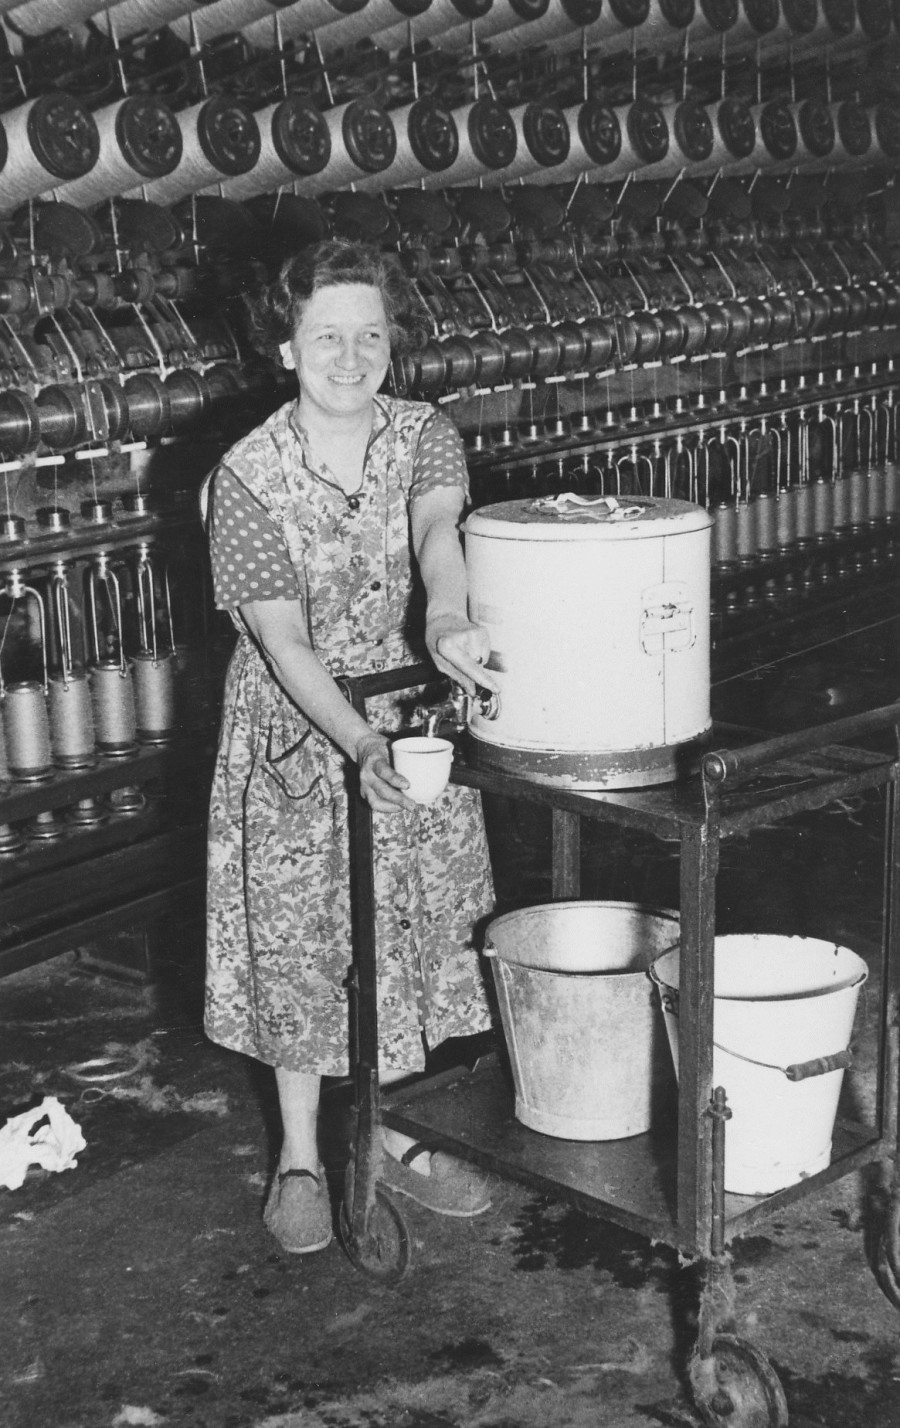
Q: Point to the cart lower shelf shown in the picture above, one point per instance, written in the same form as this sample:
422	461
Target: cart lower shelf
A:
629	1182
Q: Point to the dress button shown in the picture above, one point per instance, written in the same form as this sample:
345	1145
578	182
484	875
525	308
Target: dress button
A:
376	585
405	924
353	502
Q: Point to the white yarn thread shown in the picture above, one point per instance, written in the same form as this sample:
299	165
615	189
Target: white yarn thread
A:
111	175
269	172
554	24
525	163
406	168
300	19
721	157
341	169
579	161
441	15
24	176
219	18
129	17
38	17
499	20
194	172
629	160
468	166
375	16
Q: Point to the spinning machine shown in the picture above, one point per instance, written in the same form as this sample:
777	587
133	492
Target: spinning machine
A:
657	244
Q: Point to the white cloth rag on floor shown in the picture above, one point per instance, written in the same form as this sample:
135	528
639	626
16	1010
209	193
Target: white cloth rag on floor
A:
45	1136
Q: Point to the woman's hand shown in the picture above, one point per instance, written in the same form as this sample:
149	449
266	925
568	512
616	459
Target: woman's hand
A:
381	786
461	650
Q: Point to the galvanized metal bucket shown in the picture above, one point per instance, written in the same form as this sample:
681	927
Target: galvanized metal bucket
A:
586	1043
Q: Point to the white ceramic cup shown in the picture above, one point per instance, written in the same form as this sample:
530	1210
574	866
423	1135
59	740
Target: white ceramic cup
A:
425	763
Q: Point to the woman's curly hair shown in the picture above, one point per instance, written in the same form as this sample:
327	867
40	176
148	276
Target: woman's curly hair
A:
275	312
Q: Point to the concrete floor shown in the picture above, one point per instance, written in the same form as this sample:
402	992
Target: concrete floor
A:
142	1289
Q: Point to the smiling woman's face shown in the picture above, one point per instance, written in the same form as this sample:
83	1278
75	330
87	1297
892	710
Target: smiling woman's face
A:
341	350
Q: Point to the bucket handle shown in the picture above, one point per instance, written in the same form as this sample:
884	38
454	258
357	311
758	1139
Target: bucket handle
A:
799	1070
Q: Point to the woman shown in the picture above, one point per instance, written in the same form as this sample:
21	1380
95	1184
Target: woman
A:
313	521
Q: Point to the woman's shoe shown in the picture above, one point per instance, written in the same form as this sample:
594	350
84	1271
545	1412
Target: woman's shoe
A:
298	1211
453	1187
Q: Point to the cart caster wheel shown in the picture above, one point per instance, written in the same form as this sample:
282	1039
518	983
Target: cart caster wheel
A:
383	1251
888	1282
736	1387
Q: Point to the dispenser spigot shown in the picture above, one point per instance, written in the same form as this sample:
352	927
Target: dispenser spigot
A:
457	709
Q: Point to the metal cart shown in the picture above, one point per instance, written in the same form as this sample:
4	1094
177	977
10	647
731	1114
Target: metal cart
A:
674	1193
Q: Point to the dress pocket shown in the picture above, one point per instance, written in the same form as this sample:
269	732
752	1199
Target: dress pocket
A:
294	757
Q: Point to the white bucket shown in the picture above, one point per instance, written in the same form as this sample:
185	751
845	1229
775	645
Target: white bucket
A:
578	1010
780	1002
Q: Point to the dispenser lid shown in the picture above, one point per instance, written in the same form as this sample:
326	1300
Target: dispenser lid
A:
570	517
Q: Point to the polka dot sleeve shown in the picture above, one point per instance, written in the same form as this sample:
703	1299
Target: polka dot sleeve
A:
247	550
440	458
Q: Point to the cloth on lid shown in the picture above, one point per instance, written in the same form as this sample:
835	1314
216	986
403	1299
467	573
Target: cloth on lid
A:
46	1136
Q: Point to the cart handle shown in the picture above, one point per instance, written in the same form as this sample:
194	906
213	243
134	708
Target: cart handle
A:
721	764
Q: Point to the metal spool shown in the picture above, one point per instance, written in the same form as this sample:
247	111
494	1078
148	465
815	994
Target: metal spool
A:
51	139
71	721
154	694
71	717
295	142
139	139
441	15
154	669
487	142
27	729
323	18
112	698
427	143
220	139
542	142
11	841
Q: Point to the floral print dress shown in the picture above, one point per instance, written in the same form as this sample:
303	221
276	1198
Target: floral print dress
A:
278	908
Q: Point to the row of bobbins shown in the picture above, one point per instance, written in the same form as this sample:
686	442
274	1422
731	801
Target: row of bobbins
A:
105	705
804	513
